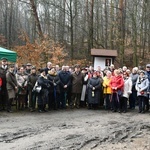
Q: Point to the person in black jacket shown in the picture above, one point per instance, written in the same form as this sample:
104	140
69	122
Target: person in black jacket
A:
43	95
54	93
32	78
94	85
48	67
65	82
3	92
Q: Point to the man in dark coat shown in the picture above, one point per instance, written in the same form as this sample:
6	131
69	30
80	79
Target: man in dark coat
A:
65	81
48	67
32	78
77	83
28	68
3	92
27	72
11	86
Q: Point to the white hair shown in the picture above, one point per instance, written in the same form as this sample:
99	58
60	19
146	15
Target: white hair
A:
49	63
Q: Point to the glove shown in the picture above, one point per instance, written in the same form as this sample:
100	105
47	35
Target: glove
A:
129	92
91	86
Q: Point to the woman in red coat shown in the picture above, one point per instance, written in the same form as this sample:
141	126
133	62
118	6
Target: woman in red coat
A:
116	85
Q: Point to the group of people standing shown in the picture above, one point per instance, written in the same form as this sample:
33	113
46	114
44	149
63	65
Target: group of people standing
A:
74	87
123	86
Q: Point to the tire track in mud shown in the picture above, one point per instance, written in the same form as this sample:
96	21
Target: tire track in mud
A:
114	132
117	133
22	133
78	134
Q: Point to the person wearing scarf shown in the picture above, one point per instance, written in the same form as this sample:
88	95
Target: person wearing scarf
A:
93	90
43	94
22	87
3	92
127	90
54	92
32	78
107	89
116	85
11	86
141	86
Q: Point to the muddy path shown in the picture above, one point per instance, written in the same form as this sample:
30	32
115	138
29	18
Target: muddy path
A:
74	130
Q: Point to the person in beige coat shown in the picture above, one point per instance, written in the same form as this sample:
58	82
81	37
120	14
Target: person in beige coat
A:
127	90
22	87
11	85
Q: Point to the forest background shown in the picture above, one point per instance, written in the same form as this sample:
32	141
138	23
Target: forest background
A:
64	31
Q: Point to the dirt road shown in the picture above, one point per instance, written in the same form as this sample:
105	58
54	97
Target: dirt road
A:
80	129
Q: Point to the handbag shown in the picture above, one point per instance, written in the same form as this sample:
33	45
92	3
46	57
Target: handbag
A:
142	92
37	88
120	92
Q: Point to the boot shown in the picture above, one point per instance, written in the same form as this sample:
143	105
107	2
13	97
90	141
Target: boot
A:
44	108
9	105
40	109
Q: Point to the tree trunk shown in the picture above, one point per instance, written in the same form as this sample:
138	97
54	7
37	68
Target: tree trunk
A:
106	24
112	25
90	42
35	14
121	31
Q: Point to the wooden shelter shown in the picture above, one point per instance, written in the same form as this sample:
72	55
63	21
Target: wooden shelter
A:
103	57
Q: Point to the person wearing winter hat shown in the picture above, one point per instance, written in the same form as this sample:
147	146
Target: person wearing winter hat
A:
32	78
11	86
43	94
3	91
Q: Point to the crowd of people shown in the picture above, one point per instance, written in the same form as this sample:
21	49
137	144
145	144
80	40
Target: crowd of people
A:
53	88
